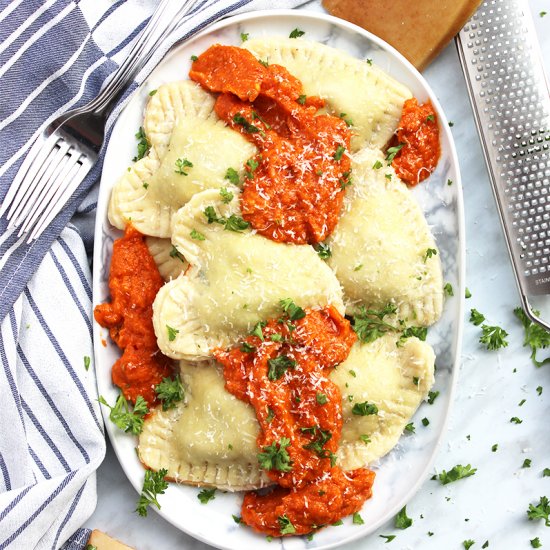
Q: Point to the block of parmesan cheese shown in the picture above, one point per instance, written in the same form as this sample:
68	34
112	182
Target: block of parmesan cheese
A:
101	541
418	29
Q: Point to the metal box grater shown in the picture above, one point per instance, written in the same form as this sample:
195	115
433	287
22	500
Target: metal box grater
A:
502	64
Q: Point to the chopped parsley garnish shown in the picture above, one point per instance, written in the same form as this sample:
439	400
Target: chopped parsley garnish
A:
270	415
232	175
476	318
526	463
175	253
172	332
278	366
257	330
302	99
90	547
324	251
377	165
264	63
123	418
468	544
494	448
493	337
346	119
546	472
237	519
425	422
321	398
247	126
409	428
430	252
357	519
369	324
364	409
293	311
252	165
430	118
402	521
535	543
145	185
181	165
197	235
194	58
276	337
244	36
276	457
142	146
388	538
206	495
364	438
456	473
540	511
539	390
419	332
392	151
516	420
87	361
485	544
154	484
449	182
448	289
522	402
320	438
432	396
535	336
339	152
152	93
247	348
170	391
296	33
226	195
236	223
467	293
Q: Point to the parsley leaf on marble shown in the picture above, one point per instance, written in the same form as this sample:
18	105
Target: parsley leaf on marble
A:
468	544
154	484
535	336
493	337
388	538
476	318
456	473
540	511
402	521
535	543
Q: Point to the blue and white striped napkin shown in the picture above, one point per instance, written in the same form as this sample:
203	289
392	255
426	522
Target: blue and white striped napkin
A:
55	55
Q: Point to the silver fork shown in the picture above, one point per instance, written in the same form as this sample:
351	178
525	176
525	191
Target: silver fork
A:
69	146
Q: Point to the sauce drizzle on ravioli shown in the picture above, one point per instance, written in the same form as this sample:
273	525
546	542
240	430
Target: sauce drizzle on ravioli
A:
294	187
282	371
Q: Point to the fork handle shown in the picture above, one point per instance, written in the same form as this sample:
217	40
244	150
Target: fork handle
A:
150	38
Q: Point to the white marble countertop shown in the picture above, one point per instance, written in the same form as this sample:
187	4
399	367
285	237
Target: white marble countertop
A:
490	506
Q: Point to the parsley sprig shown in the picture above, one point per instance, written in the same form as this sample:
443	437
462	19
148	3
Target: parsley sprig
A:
493	337
276	457
456	473
154	484
233	223
535	336
125	419
540	511
170	391
142	146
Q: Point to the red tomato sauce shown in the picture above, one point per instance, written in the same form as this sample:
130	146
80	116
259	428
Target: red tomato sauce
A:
282	371
134	281
294	187
418	131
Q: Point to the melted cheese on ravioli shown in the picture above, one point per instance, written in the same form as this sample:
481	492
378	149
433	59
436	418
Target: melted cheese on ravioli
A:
237	279
379	247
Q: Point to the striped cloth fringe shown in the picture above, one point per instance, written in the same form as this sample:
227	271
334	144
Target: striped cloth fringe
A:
55	55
